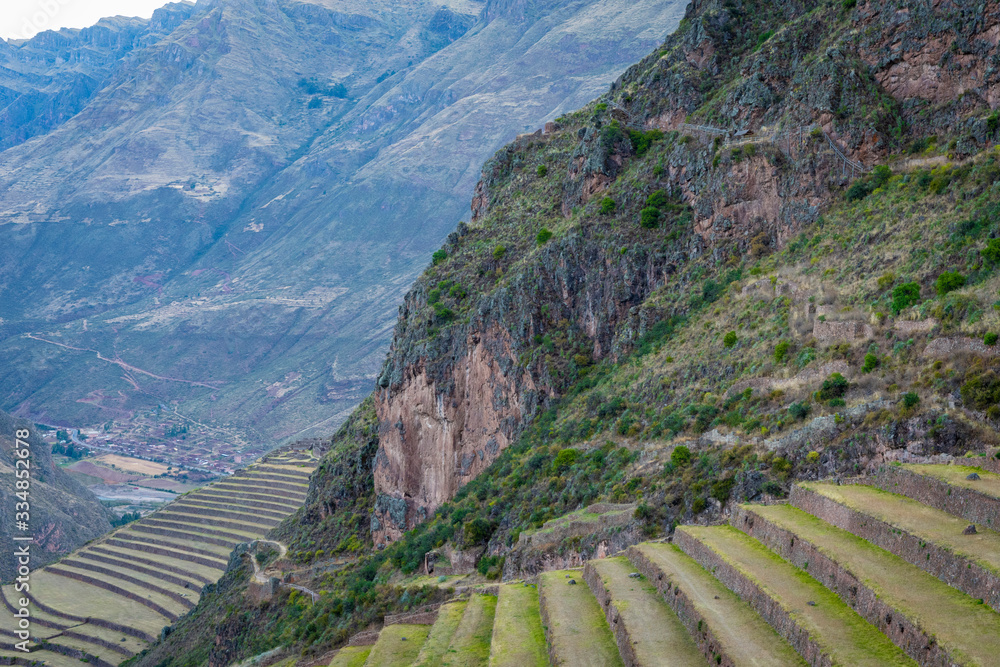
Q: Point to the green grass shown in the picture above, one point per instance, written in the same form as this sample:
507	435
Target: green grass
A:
577	631
743	634
988	484
351	656
398	645
922	521
470	645
835	627
653	627
440	635
969	630
518	636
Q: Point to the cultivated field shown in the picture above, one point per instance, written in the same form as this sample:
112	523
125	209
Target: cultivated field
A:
107	600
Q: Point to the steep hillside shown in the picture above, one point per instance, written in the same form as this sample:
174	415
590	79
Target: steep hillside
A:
63	513
757	259
230	218
48	79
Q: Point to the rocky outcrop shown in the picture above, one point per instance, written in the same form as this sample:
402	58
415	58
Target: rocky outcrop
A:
64	513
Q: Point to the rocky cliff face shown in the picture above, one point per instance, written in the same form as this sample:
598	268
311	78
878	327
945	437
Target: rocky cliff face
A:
64	513
764	122
243	202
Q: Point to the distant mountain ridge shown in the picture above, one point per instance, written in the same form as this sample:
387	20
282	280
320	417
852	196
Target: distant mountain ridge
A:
223	216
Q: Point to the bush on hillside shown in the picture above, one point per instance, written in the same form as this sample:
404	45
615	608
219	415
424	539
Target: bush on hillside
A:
542	170
834	386
650	217
543	236
781	351
991	253
904	296
949	281
871	363
730	339
681	456
439	256
991	338
607	206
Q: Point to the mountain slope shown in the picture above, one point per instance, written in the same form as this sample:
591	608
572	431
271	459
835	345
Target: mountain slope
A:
244	226
642	326
63	513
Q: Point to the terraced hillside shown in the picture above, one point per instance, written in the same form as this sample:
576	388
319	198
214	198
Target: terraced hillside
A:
105	602
882	570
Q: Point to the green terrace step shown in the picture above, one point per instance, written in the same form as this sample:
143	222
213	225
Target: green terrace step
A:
576	630
647	631
397	645
436	646
818	624
518	636
924	536
726	629
947	488
351	656
933	622
470	645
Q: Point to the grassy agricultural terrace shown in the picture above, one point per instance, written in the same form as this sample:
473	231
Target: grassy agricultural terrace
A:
106	601
882	571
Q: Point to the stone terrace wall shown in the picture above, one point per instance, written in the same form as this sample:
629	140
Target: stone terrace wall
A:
961	572
903	632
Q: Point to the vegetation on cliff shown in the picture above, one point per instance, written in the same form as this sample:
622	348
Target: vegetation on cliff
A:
686	319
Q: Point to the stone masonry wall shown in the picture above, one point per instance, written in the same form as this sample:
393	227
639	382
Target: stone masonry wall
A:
603	595
676	599
902	631
769	609
961	572
971	505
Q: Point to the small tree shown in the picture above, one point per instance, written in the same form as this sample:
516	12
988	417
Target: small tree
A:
543	236
991	338
542	170
681	456
991	253
499	251
781	351
607	206
834	386
904	296
650	217
730	339
871	363
949	281
439	256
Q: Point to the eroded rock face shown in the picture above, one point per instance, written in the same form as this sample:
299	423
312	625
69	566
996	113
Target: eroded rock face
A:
436	436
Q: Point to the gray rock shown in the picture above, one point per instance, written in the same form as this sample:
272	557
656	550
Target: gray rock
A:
970	530
571	582
973	476
634	575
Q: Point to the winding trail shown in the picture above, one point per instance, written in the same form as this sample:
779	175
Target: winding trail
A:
261	578
118	362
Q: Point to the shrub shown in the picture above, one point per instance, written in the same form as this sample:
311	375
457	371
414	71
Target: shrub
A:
990	338
499	251
658	199
564	459
607	206
886	280
542	170
910	400
730	339
698	505
543	236
650	217
834	386
433	296
812	457
991	253
681	456
904	296
859	190
981	390
871	363
880	176
781	351
949	281
477	531
439	256
641	141
798	410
